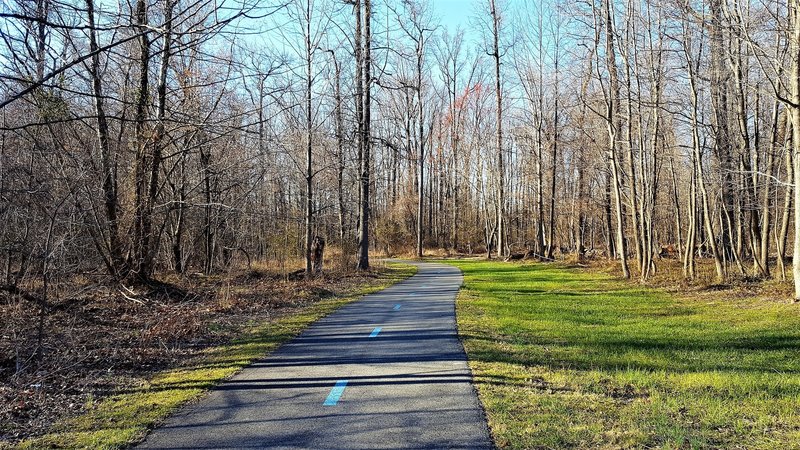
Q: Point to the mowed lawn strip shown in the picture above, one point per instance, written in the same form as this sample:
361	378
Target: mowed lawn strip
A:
569	358
123	419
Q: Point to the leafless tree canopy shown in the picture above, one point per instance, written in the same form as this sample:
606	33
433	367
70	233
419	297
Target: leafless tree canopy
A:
171	136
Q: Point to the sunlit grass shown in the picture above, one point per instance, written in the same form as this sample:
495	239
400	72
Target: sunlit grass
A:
567	358
123	419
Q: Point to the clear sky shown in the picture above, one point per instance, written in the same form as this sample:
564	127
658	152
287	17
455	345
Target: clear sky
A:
454	13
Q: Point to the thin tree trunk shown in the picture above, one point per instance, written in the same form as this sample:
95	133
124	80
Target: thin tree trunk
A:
501	198
177	238
780	240
454	140
766	193
691	231
677	205
698	159
540	243
553	163
634	199
363	237
208	229
722	133
359	103
309	216
109	183
650	186
421	153
609	223
581	224
613	128
794	82
151	239
141	141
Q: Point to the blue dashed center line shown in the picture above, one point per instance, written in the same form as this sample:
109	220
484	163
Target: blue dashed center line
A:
397	307
336	393
375	332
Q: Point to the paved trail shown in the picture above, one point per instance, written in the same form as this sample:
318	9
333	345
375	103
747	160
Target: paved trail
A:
385	372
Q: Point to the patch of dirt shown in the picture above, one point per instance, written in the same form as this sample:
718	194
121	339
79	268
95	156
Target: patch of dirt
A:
111	337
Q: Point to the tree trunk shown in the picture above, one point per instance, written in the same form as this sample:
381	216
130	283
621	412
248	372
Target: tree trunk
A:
609	223
309	216
691	231
151	242
339	152
501	198
766	192
634	199
722	133
363	213
553	163
780	239
208	228
421	152
794	82
141	141
613	128
109	183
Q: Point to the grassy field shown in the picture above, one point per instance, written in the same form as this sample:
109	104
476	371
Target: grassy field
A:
568	358
123	419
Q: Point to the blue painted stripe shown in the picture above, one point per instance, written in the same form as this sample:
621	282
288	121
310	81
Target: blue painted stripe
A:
375	332
397	307
336	393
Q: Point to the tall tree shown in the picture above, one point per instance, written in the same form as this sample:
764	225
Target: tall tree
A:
794	107
612	99
366	139
501	169
109	184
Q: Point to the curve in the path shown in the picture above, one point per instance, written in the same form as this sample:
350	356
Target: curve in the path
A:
384	372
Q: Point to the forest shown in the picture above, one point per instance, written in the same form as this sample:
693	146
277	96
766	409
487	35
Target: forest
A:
151	141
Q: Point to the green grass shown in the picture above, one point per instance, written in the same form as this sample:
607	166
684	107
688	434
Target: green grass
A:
567	358
123	419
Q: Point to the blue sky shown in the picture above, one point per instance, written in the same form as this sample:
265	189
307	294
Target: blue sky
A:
454	12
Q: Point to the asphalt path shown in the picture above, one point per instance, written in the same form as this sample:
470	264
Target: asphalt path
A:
384	372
